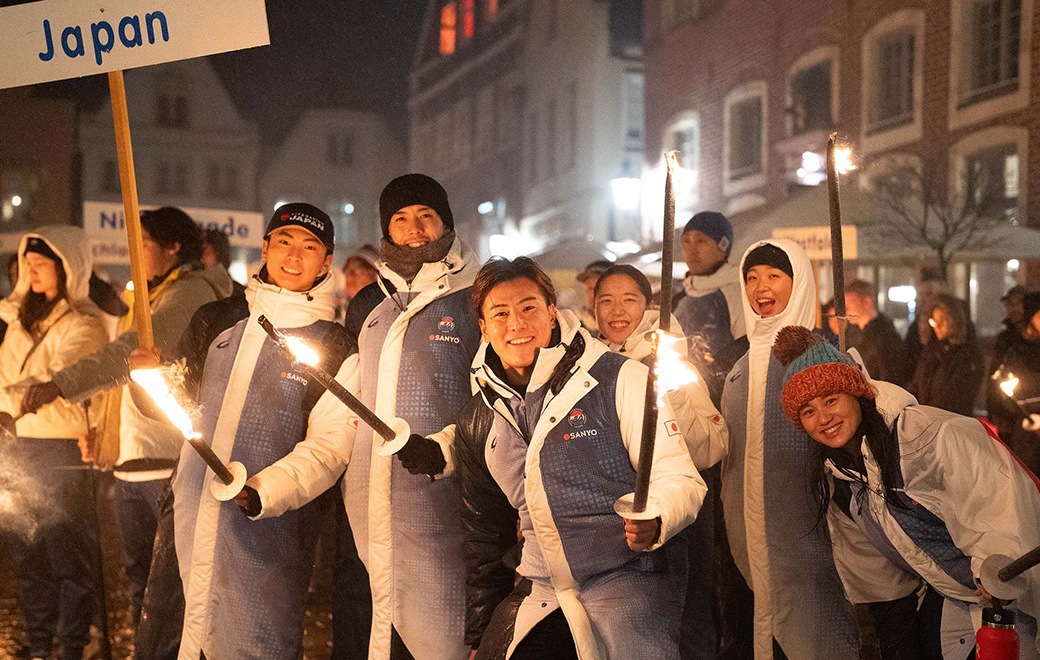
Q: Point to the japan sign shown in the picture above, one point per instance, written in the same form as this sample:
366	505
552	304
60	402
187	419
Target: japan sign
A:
50	40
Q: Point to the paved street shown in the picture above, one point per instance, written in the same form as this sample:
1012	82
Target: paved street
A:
317	639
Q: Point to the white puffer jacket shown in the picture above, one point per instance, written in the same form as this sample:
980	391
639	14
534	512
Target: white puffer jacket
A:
700	423
74	329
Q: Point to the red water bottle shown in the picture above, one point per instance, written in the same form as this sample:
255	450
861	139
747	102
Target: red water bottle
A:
996	639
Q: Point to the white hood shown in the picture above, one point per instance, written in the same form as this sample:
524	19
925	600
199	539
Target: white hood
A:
800	310
70	243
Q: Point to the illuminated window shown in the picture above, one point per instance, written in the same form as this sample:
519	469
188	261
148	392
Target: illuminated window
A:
468	12
490	10
448	17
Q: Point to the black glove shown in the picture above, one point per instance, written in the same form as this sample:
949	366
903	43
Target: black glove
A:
38	395
422	456
250	504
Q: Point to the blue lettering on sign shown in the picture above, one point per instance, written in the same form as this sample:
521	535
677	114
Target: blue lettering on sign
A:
230	228
103	36
112	220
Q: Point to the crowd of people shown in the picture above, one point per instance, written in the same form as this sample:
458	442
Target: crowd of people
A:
789	482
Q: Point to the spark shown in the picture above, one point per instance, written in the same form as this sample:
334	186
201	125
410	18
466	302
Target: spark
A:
1009	385
843	162
303	352
672	370
156	383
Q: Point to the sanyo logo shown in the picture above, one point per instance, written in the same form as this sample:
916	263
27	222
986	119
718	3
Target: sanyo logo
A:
587	433
289	375
447	338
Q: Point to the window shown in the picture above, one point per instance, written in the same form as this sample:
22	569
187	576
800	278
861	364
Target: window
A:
745	138
569	128
110	176
222	182
674	12
171	178
893	81
551	11
484	139
172	110
463	125
684	136
811	99
448	17
339	150
991	180
490	10
468	18
992	33
551	153
892	85
632	107
17	196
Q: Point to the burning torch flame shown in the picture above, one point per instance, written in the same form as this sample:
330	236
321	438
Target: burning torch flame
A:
154	382
303	352
673	371
1009	385
843	162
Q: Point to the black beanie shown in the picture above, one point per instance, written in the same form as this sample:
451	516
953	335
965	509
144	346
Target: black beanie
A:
41	247
409	190
768	255
306	216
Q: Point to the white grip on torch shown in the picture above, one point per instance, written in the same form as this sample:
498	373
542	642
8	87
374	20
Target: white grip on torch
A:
402	431
226	492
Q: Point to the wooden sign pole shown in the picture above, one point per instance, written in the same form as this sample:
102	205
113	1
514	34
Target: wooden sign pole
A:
131	210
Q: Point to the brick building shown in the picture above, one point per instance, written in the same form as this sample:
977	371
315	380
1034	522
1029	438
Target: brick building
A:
749	91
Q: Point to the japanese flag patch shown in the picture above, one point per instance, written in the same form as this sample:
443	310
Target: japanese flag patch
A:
671	427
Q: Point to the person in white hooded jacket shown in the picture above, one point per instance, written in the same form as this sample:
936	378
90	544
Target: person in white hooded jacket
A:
417	340
800	608
626	318
936	493
52	323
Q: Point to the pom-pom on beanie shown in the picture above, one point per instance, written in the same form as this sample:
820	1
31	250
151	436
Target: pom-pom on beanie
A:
814	369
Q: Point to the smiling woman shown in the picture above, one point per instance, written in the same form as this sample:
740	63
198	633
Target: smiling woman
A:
904	480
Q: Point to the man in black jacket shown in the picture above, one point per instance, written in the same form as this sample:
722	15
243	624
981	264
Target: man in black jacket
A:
878	342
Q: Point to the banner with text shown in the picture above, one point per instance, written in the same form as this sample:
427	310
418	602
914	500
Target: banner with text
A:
103	222
816	241
49	40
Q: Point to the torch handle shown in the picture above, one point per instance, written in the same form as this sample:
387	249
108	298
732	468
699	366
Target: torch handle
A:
837	249
1020	565
381	428
214	463
668	243
648	439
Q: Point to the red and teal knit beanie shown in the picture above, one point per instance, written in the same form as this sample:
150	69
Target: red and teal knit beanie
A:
814	369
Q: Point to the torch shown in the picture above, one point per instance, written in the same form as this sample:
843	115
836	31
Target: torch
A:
633	505
839	161
233	475
395	434
1030	421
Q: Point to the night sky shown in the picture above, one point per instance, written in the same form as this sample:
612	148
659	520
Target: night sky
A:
345	53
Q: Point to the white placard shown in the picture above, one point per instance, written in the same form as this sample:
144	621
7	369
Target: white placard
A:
56	39
103	222
816	241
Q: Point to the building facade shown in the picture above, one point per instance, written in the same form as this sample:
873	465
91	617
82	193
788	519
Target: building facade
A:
338	159
749	91
527	110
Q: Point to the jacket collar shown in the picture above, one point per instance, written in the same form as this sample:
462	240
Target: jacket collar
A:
696	286
291	309
456	270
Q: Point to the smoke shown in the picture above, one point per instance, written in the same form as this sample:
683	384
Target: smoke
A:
25	508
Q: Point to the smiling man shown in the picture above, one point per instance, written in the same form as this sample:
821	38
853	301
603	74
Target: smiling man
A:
417	337
255	407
